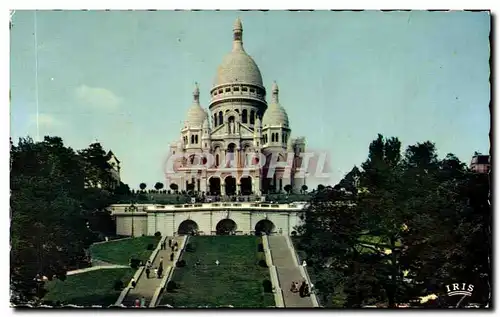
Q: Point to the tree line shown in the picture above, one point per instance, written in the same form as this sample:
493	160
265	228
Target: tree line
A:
400	227
58	200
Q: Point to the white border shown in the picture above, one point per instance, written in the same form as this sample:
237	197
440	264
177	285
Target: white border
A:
186	4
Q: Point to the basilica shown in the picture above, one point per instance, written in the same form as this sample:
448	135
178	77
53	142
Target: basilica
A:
242	144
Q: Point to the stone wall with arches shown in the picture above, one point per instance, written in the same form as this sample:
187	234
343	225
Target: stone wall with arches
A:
205	221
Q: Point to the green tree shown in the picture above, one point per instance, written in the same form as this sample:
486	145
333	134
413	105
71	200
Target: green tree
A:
414	215
288	188
48	230
142	186
304	188
97	170
158	186
174	187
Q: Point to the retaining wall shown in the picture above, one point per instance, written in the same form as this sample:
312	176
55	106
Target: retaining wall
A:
273	273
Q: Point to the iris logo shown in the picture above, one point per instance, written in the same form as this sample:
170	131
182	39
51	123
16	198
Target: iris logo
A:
459	289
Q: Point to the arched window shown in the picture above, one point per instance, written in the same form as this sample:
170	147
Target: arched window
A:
192	139
216	160
277	137
244	116
221	119
215	120
272	137
252	117
196	139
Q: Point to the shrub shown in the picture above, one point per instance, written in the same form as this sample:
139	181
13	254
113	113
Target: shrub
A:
268	286
157	234
171	285
134	263
294	233
260	247
118	285
150	246
263	263
180	263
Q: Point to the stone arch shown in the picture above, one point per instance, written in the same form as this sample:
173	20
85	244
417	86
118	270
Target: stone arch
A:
214	185
246	185
264	226
226	227
230	185
188	226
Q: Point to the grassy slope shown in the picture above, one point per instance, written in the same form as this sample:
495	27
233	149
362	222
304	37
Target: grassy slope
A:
89	288
120	252
236	281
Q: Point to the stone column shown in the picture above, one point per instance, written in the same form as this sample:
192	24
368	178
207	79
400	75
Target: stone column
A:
237	157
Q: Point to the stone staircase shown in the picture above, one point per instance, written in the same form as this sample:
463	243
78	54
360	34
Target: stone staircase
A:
288	271
146	287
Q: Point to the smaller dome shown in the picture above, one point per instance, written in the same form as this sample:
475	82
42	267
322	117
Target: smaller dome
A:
275	114
196	114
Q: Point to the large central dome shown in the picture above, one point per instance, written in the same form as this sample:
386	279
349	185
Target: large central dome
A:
238	66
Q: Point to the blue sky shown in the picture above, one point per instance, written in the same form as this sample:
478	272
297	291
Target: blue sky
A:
126	78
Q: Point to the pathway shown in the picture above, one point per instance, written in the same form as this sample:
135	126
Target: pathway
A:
146	287
288	271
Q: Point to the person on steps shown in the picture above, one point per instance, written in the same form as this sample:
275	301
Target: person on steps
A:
302	289
306	290
148	271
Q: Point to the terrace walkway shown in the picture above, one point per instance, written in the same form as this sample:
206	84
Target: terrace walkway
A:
146	287
288	271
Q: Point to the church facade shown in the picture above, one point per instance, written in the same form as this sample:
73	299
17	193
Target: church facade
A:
242	144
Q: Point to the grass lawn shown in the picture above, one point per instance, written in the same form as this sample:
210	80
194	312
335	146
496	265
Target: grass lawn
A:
89	288
237	281
120	252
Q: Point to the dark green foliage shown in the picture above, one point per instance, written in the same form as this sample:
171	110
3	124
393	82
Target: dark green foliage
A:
267	286
55	211
157	234
134	263
158	186
262	263
150	247
432	216
180	263
118	285
171	285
